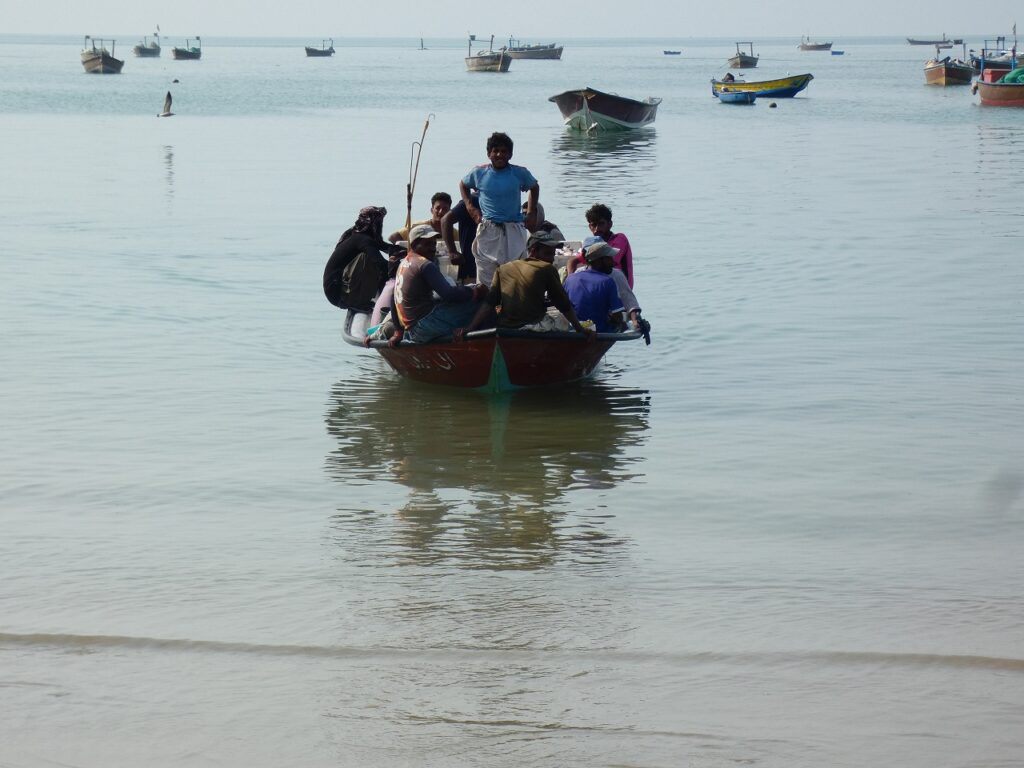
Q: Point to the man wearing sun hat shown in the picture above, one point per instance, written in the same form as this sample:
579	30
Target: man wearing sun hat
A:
421	318
593	292
519	288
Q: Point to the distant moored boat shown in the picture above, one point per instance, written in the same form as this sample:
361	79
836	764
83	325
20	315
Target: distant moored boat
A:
323	50
148	49
516	50
743	60
807	45
97	60
189	52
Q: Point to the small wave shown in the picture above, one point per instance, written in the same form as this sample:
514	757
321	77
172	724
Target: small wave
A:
87	643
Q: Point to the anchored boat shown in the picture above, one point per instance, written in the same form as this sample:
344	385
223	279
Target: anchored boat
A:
97	60
587	109
782	87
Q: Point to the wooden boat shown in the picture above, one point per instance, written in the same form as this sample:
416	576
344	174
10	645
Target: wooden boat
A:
672	53
948	72
189	52
588	109
323	50
516	50
743	60
487	61
727	96
782	88
943	43
97	60
994	55
807	45
495	360
1000	93
148	49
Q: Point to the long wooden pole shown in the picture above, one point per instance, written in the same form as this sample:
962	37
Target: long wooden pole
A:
417	148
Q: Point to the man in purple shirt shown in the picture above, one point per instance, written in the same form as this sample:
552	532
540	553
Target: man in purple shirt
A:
593	291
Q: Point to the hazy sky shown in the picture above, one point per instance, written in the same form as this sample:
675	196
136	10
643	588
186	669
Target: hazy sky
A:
539	20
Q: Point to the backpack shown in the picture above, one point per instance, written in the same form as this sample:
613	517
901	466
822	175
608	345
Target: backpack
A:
359	283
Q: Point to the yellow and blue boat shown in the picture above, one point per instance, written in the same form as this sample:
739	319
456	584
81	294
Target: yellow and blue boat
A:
781	88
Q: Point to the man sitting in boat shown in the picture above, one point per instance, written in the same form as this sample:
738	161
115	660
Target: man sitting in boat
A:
440	204
599	219
356	270
593	292
419	316
629	301
519	288
501	235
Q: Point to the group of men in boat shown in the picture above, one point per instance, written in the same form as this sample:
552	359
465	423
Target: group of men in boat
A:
505	258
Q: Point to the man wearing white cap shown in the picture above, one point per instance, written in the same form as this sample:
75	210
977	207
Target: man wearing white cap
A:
420	317
593	290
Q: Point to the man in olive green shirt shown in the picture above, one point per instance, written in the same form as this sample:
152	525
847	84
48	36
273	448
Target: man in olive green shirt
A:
519	288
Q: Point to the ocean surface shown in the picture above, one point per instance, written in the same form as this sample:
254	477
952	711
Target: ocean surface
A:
788	533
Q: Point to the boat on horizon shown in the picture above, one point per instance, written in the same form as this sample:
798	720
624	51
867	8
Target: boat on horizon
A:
189	52
323	50
494	359
97	60
743	60
588	109
807	45
781	87
148	49
516	50
671	53
488	60
945	42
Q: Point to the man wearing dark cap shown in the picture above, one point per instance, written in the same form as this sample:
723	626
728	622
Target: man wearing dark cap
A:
419	315
519	287
593	292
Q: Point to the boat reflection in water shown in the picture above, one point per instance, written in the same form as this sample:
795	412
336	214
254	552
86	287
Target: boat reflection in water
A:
587	165
490	480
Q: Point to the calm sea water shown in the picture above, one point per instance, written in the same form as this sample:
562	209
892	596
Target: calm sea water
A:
789	533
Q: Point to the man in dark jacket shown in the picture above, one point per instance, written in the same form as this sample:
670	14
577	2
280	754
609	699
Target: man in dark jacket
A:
356	271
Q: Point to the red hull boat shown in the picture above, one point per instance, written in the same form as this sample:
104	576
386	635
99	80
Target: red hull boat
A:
497	360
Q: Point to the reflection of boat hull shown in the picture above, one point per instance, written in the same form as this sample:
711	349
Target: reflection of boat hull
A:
781	88
948	73
1000	94
498	360
99	62
488	61
586	109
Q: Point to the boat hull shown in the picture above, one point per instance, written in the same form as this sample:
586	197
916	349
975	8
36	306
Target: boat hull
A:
97	62
488	62
737	97
535	52
815	46
742	61
319	52
1000	94
186	54
497	360
781	88
948	73
146	51
587	109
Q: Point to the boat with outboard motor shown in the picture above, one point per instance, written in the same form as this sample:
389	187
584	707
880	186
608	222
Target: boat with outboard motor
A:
782	87
493	359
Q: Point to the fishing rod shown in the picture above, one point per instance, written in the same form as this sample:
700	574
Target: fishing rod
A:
414	154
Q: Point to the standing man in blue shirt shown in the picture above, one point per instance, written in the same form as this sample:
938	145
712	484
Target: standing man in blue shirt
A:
501	234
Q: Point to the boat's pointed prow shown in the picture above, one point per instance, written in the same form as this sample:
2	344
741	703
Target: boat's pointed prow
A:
167	106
